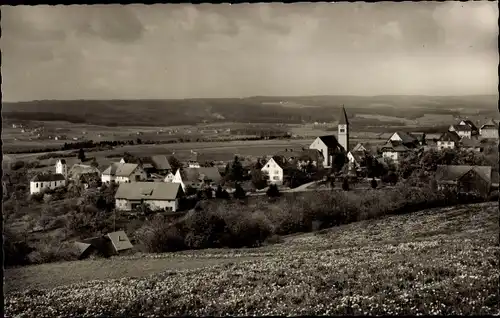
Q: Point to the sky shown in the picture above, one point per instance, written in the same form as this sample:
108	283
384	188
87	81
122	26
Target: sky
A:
168	51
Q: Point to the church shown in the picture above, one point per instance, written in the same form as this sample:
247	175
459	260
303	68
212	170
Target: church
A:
329	145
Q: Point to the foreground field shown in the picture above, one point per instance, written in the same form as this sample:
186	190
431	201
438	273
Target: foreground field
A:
441	261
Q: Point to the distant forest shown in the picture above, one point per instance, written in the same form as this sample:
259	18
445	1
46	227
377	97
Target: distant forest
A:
193	111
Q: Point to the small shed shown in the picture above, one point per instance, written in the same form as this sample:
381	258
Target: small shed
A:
107	245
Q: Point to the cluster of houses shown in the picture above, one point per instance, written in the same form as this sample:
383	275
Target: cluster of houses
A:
154	182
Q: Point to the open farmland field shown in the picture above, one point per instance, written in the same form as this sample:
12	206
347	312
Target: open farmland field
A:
439	261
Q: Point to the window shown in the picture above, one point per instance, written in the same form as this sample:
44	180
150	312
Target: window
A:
36	185
276	178
342	130
276	172
267	166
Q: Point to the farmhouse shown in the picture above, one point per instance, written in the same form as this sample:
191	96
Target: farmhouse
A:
356	158
302	157
474	129
471	144
46	181
359	147
159	196
489	130
276	169
198	177
464	179
448	140
78	170
160	164
404	138
394	150
123	172
461	130
110	244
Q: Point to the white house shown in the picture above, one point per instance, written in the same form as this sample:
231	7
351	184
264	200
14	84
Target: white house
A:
448	140
489	130
461	130
46	181
274	169
356	158
474	129
123	172
62	167
159	196
404	138
359	147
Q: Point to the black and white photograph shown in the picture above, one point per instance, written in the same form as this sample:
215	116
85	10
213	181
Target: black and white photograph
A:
250	159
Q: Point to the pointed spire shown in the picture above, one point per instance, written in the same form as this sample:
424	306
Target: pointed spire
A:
343	117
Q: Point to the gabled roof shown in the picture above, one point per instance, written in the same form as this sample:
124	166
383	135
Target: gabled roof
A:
330	141
120	169
197	174
120	241
394	146
161	162
469	123
78	169
470	143
490	124
301	154
450	136
455	172
358	155
47	177
343	117
406	137
148	191
63	161
461	127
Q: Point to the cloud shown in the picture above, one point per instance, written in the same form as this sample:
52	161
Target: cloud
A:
246	49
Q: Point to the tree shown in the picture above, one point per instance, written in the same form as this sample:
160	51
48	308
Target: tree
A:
258	180
221	193
373	183
392	178
273	191
239	193
258	165
94	163
345	184
236	173
433	185
81	155
139	141
339	159
175	164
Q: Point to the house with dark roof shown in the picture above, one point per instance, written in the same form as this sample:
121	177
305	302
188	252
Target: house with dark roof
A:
461	130
301	157
468	122
394	150
198	177
405	138
123	172
464	179
357	158
448	140
471	144
489	130
46	181
78	170
328	146
159	196
113	243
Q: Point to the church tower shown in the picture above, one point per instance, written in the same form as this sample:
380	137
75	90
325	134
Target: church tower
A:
343	130
62	168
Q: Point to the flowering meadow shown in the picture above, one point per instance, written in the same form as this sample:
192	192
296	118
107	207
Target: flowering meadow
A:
440	261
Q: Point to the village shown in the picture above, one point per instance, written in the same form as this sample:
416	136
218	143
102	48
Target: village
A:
162	184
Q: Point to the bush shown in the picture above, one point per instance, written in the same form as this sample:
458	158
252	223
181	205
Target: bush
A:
273	191
239	193
158	236
373	183
345	184
52	251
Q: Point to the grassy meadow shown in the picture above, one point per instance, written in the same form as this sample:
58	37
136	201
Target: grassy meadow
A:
437	261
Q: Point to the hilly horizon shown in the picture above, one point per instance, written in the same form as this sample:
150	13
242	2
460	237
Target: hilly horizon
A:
258	109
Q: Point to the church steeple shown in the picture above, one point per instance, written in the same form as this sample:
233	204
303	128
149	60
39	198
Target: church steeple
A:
343	117
343	130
